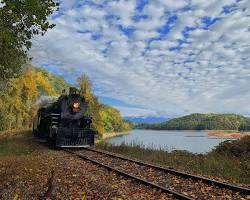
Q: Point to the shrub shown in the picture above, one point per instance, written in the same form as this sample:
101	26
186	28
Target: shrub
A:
238	148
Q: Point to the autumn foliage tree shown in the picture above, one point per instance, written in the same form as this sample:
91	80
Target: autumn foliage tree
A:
94	105
19	105
105	118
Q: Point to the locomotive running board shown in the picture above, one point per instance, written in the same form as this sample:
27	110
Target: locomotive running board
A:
63	146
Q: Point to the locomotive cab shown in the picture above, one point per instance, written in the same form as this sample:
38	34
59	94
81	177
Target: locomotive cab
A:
65	123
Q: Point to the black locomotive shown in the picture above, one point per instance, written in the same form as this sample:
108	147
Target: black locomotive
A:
64	123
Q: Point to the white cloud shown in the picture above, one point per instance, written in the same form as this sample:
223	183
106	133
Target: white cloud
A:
143	35
123	9
135	112
130	60
2	5
174	4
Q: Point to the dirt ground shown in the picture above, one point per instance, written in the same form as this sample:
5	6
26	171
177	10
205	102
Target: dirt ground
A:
39	172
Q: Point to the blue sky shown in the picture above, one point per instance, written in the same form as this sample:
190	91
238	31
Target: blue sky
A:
154	57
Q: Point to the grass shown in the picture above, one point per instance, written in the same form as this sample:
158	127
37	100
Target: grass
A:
13	145
229	161
10	147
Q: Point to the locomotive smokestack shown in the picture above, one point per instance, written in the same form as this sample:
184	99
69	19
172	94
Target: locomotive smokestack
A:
73	90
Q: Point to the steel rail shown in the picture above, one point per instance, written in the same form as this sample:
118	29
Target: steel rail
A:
232	187
176	195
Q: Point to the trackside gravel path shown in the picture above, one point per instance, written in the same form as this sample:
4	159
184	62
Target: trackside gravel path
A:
44	173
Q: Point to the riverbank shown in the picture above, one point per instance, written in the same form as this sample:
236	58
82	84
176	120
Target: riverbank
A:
228	134
112	134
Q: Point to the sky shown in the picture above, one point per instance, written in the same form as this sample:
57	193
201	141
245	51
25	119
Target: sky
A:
162	58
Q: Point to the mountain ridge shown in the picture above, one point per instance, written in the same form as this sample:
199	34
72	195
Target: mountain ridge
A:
200	121
146	119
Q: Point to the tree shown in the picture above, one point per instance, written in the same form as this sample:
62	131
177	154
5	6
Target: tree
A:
105	118
94	105
18	105
20	21
86	87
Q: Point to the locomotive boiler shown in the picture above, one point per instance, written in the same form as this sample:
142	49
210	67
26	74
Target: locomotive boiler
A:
64	123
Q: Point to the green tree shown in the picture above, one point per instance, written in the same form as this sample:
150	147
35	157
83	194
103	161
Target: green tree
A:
20	20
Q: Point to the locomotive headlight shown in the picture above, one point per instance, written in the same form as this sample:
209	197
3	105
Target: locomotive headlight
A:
76	105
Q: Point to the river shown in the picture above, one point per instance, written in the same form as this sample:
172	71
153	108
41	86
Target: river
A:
193	141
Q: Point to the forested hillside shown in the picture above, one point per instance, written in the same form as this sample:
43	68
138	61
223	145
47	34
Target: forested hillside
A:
202	122
20	101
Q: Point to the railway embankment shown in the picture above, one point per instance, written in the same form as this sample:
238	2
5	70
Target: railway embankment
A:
180	185
230	161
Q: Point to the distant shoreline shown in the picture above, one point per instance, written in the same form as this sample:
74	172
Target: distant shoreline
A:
227	133
214	133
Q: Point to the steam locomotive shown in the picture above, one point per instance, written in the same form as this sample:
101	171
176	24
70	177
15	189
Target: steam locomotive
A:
64	123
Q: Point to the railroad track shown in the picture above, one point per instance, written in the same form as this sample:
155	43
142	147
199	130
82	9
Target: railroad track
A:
181	185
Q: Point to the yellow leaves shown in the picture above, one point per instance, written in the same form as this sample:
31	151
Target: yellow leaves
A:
16	197
44	84
83	196
86	87
22	95
34	82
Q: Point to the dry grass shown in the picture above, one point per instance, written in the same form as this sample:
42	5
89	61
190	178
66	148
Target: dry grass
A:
11	133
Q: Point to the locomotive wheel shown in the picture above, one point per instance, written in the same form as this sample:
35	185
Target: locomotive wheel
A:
35	133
